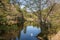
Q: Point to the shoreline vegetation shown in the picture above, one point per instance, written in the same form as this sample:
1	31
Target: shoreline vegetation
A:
51	37
12	16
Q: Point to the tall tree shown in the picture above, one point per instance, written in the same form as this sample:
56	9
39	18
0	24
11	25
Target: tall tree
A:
37	7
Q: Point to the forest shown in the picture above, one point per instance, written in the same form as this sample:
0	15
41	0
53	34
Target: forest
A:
17	16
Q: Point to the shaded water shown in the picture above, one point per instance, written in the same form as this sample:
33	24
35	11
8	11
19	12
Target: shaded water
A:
28	31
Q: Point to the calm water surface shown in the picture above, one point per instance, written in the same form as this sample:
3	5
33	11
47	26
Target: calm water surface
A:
29	33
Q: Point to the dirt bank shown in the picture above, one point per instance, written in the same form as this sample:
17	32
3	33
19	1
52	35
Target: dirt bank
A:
56	37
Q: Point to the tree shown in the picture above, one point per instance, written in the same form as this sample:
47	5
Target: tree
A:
38	7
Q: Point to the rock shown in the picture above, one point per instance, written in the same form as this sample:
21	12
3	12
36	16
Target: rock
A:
56	37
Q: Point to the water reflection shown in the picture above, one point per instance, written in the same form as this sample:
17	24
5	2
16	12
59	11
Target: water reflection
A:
29	33
26	31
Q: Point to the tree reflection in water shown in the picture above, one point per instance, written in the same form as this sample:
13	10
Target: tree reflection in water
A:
23	30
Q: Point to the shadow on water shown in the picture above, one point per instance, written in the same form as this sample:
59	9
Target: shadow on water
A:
26	31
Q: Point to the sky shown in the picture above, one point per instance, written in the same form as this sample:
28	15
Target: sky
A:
33	6
58	1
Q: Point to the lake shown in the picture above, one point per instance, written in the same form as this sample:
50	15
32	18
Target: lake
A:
28	31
